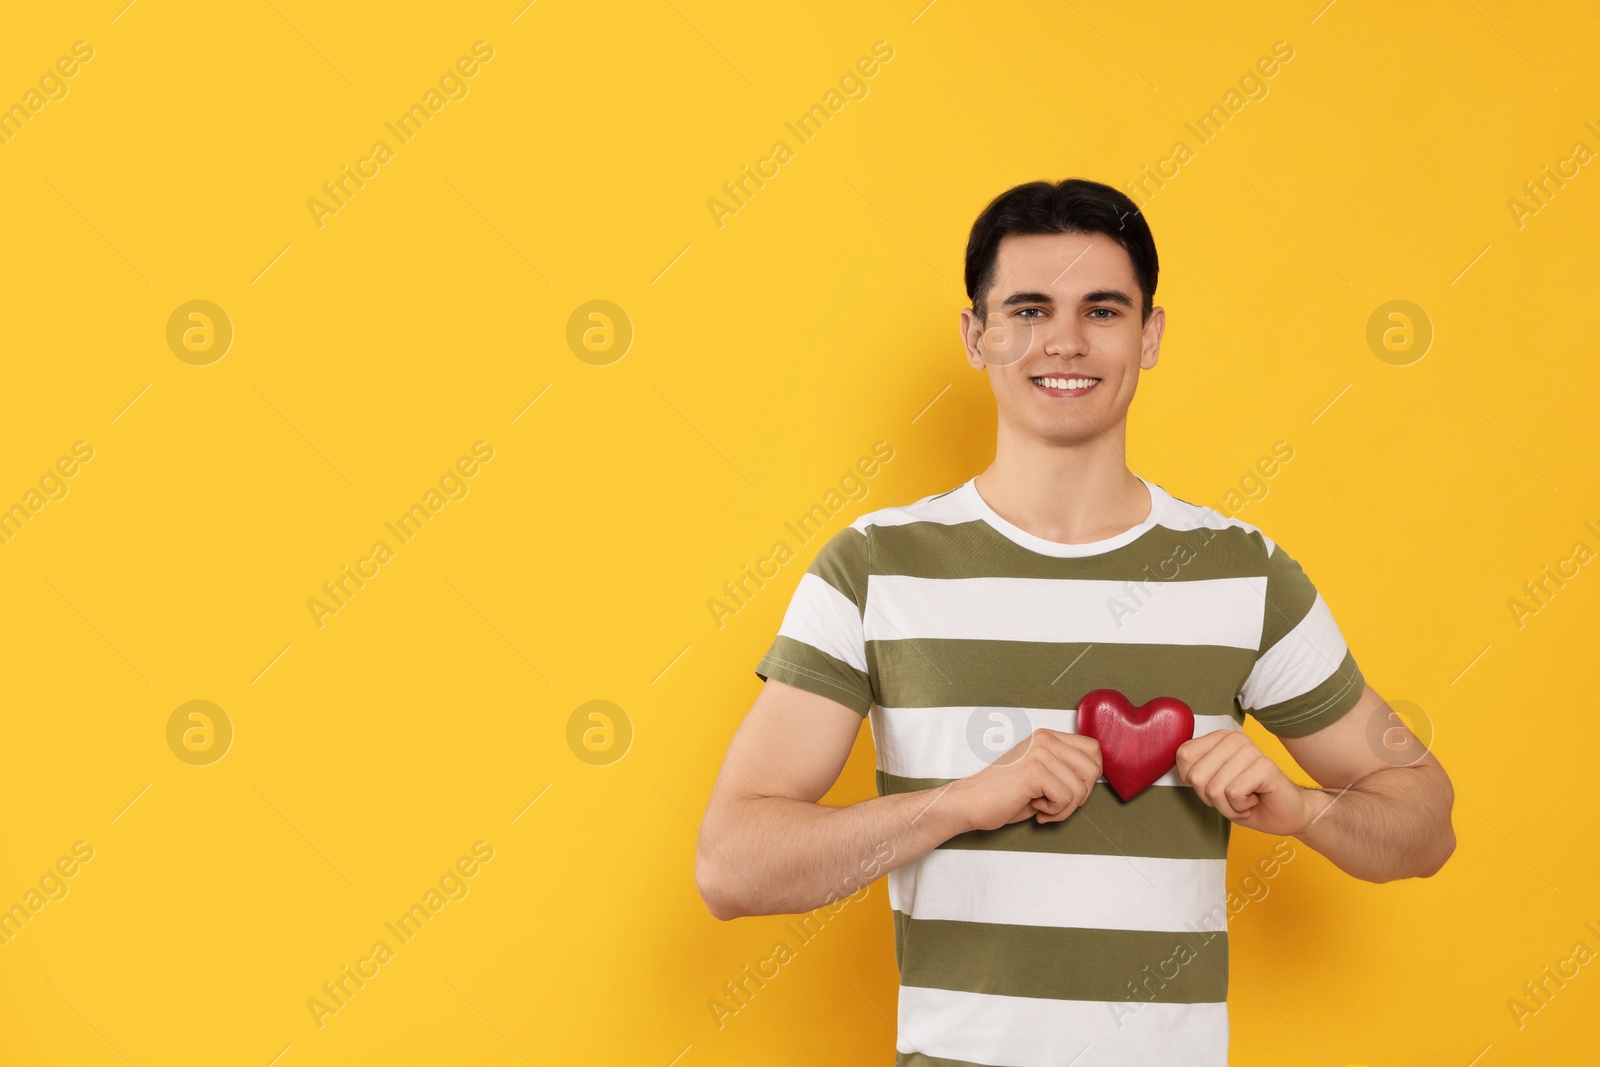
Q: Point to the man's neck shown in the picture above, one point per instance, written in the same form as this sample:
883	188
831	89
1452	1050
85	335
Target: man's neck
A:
1064	494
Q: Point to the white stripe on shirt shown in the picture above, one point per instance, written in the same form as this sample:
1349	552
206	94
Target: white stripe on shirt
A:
1212	611
1038	1032
957	742
1092	892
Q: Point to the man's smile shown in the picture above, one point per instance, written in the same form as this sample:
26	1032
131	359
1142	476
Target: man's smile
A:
1053	385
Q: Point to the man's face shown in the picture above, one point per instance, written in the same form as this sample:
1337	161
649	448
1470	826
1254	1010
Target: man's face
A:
1063	306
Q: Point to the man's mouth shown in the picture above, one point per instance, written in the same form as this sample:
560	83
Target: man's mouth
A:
1054	386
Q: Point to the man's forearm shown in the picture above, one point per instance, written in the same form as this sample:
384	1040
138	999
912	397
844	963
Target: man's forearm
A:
1394	823
779	856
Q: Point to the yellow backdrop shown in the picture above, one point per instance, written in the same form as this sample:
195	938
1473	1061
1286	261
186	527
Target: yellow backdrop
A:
532	297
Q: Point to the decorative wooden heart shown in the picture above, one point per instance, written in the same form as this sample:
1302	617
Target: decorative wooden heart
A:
1137	745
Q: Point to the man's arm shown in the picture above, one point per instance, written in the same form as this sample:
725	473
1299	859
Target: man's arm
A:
766	847
1383	809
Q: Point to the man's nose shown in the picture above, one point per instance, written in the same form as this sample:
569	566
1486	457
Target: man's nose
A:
1059	337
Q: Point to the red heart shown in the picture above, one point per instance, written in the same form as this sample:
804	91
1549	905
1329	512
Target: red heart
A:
1137	745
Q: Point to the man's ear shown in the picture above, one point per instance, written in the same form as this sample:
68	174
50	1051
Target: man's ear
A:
1150	352
971	337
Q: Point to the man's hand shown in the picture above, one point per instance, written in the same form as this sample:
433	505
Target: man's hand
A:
1232	775
1049	775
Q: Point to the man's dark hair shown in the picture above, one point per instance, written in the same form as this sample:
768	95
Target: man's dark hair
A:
1075	205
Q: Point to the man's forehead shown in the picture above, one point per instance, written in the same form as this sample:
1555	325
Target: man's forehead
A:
1061	260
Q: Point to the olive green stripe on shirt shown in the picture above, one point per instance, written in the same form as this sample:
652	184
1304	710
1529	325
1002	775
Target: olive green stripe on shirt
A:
918	1059
800	665
842	563
1165	821
1067	963
1290	595
976	550
926	672
1317	708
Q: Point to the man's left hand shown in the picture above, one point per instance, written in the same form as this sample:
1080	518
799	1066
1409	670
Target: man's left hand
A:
1232	775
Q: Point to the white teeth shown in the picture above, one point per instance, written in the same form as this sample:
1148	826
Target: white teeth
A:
1066	383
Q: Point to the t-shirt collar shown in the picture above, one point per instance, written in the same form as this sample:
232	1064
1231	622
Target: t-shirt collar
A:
969	492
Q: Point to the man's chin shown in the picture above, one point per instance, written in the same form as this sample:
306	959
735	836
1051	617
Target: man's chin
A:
1066	431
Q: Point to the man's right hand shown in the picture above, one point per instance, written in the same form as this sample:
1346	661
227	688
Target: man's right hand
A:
1049	774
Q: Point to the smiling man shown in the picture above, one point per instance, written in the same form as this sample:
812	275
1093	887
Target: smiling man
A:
1039	918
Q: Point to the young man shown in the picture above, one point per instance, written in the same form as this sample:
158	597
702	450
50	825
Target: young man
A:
1039	918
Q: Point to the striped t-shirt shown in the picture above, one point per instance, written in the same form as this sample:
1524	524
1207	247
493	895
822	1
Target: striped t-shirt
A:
1100	939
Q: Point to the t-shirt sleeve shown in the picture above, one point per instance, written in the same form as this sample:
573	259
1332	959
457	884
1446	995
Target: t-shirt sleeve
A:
820	646
1304	676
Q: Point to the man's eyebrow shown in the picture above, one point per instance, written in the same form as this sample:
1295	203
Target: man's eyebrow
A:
1108	296
1097	296
1026	298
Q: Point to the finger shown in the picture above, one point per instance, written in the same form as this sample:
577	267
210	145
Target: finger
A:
1203	767
1024	812
1063	792
1058	786
1251	782
1192	750
1087	750
1237	778
1080	766
1042	782
1250	779
1064	780
1048	743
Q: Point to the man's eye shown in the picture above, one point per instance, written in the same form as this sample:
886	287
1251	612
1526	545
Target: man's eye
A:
1025	311
1110	313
